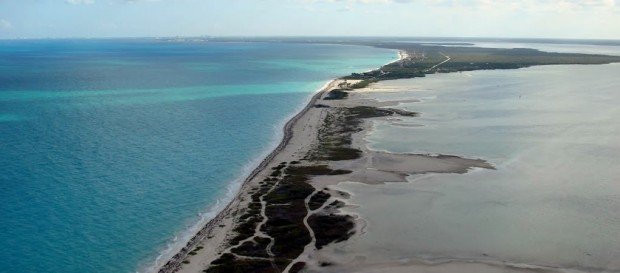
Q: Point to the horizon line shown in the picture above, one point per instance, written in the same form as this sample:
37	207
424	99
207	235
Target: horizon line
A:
311	37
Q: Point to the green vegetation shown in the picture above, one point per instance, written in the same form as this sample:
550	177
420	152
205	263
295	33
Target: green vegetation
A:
276	173
430	58
318	200
314	170
285	209
336	94
250	219
297	267
254	248
287	188
338	127
331	228
363	83
228	263
424	56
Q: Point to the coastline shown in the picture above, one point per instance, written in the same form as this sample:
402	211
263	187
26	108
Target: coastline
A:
389	245
183	196
303	141
242	239
173	264
218	224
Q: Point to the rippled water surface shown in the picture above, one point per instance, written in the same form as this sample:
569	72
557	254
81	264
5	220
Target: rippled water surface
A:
109	149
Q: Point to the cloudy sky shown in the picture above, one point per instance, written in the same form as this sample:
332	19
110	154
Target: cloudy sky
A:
595	19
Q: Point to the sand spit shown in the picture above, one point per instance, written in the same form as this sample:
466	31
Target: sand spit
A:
286	211
302	147
381	167
210	241
378	167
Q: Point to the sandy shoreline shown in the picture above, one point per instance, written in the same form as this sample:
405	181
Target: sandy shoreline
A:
303	135
214	230
220	224
349	119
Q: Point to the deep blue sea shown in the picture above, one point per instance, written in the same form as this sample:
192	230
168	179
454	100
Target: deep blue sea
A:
109	149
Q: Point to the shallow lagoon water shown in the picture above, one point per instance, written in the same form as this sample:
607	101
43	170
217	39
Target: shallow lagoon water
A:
111	149
552	132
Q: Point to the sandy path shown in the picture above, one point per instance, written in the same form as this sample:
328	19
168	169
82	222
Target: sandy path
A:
300	133
213	235
312	243
437	65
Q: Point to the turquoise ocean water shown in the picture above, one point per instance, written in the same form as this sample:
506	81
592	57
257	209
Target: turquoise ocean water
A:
111	149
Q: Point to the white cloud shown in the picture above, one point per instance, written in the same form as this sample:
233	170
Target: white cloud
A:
5	25
80	2
137	1
523	4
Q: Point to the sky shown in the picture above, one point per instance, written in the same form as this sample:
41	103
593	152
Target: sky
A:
585	19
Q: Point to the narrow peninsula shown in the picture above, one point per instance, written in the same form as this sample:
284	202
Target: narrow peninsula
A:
288	208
